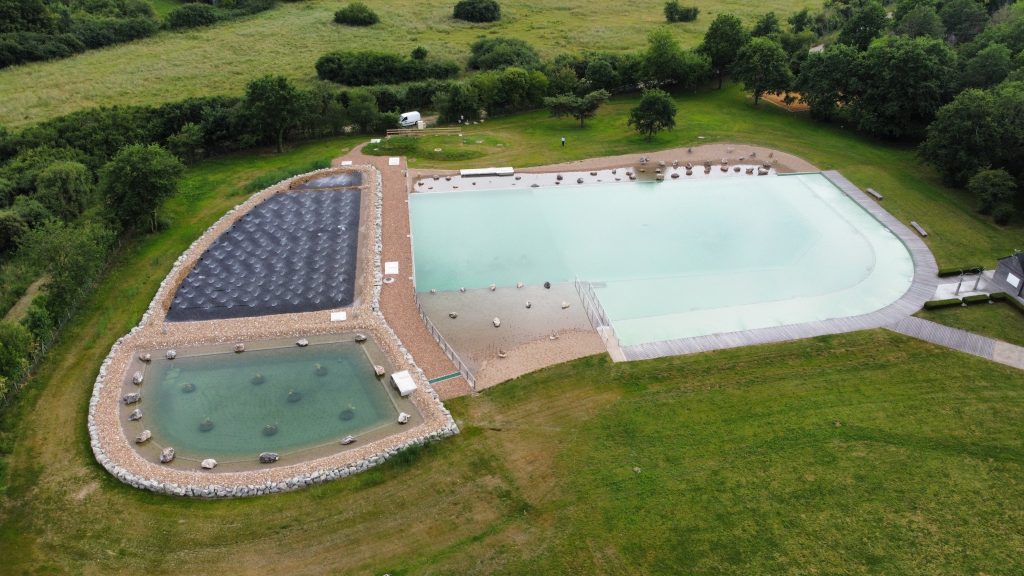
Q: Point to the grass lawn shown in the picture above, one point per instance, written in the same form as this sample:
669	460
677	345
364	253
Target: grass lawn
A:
721	463
998	320
287	40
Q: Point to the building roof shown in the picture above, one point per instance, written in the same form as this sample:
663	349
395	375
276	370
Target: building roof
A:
1015	262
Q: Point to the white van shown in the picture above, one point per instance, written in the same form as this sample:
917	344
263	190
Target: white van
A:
408	119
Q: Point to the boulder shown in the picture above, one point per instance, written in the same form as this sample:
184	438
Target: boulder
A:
529	304
270	429
348	440
302	342
320	369
493	287
137	378
206	425
136	415
167	455
131	398
143	437
294	396
403	418
171	354
565	305
496	321
360	337
146	357
188	387
268	457
239	348
378	370
257	379
208	464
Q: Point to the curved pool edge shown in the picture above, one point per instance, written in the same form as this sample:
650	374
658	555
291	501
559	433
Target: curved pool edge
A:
921	289
114	451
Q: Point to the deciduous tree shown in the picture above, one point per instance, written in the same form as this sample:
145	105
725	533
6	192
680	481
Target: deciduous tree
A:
272	104
65	188
722	43
865	24
579	107
136	181
762	66
656	112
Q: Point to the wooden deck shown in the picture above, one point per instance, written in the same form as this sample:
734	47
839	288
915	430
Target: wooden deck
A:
922	288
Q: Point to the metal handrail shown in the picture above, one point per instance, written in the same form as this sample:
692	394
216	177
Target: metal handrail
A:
591	305
447	348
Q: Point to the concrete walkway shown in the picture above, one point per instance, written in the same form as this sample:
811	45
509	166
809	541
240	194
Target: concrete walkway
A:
969	342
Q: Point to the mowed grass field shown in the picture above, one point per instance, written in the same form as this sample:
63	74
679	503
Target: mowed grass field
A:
222	59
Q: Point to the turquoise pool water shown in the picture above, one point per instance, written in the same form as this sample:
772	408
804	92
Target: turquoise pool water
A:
308	396
672	259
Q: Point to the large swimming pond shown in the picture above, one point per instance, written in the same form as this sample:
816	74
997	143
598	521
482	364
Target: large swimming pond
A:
671	259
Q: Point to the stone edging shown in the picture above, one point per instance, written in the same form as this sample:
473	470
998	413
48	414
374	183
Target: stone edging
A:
281	479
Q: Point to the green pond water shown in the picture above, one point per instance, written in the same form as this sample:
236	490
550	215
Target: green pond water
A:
672	259
310	396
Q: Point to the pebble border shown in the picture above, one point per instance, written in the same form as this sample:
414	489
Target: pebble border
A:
272	480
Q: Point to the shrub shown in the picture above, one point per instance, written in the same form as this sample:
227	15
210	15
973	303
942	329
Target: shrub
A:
495	53
1003	214
993	189
976	298
676	13
191	16
19	47
97	32
366	67
478	11
356	14
933	304
15	345
12	228
956	270
419	95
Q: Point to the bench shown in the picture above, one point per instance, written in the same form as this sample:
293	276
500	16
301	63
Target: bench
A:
472	172
920	230
875	193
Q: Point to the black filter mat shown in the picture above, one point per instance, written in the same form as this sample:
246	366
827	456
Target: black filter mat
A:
343	180
295	252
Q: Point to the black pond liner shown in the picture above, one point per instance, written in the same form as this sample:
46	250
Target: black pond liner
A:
295	252
343	180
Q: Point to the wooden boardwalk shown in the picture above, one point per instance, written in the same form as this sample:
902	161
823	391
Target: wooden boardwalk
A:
922	288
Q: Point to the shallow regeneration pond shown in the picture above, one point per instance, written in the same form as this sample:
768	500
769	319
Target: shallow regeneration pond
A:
275	397
671	259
